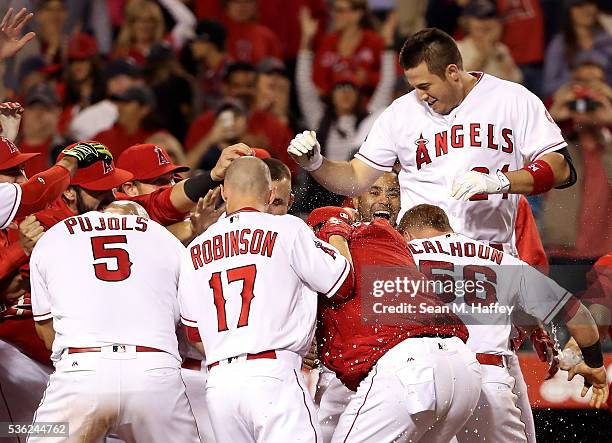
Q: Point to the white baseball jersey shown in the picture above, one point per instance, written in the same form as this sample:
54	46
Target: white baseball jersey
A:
107	279
495	278
10	197
249	284
499	125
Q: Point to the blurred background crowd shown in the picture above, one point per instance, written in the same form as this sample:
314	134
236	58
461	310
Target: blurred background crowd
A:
196	76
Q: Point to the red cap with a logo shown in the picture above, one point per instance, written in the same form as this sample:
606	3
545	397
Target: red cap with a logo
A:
82	46
100	176
148	161
10	156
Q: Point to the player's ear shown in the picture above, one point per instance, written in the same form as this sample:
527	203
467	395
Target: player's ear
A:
271	196
70	194
129	188
291	200
453	72
223	193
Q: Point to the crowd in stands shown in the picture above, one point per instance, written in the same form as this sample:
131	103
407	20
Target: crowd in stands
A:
196	76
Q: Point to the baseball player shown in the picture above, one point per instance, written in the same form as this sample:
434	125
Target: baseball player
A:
22	378
257	320
414	379
467	142
109	316
506	282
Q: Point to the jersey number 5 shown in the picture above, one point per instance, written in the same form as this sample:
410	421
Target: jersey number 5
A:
245	273
101	249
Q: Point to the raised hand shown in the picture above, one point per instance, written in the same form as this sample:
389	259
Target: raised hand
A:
10	119
10	31
88	153
306	150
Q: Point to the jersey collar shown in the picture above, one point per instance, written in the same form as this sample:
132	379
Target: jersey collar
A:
245	209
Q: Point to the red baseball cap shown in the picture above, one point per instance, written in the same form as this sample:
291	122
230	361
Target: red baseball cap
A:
10	156
100	176
345	78
82	46
148	161
261	153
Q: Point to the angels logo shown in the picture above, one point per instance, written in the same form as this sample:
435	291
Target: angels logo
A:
11	146
533	167
161	156
108	167
325	249
422	156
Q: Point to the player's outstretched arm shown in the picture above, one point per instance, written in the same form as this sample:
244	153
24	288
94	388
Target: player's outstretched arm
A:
187	193
547	172
345	178
583	330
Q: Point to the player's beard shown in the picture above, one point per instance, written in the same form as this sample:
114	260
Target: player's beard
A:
83	206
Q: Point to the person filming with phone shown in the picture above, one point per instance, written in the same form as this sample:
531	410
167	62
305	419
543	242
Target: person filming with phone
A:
583	109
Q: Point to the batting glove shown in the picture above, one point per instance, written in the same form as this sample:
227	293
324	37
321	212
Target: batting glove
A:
331	220
87	153
21	308
306	150
472	183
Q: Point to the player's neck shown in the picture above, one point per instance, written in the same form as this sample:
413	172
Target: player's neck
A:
468	81
237	205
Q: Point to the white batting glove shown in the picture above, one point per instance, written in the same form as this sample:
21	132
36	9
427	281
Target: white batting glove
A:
472	183
306	150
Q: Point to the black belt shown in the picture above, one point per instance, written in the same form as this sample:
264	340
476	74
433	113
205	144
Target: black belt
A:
432	336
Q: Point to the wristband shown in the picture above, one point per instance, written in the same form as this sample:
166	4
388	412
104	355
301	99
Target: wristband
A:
543	176
334	227
592	355
198	186
503	181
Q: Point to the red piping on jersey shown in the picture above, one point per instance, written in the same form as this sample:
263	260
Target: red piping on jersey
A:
12	207
245	209
346	263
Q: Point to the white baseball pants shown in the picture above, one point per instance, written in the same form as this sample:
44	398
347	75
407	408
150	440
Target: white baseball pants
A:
139	396
263	400
423	389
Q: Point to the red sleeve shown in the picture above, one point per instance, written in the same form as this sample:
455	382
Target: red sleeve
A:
528	242
42	189
199	129
273	46
193	334
159	206
12	256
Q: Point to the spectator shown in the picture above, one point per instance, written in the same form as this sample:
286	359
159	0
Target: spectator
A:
273	90
120	75
39	127
208	50
411	16
351	46
92	17
49	20
248	41
31	72
444	15
283	18
481	48
582	35
520	19
84	84
339	122
143	26
172	87
136	120
230	127
263	129
584	108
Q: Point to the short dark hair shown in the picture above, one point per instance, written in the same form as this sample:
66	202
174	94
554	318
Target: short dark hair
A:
424	216
238	67
278	170
434	47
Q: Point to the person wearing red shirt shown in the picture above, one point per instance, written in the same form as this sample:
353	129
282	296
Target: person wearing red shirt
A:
386	359
39	127
135	122
248	40
351	47
263	129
